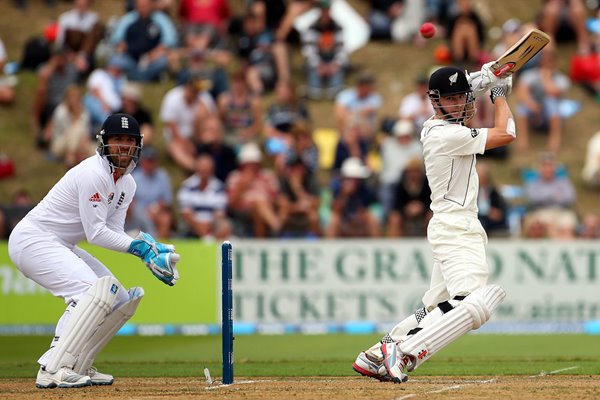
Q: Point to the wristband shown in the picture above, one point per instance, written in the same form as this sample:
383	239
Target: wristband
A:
497	92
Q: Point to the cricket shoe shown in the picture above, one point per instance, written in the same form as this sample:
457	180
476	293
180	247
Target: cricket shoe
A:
98	378
368	367
394	362
63	378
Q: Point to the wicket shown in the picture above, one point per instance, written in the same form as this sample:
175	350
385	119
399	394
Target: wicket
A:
227	311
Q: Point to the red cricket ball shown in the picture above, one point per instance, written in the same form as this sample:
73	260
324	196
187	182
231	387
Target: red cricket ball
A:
427	30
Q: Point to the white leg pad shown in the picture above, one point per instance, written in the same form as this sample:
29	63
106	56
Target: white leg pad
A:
469	314
86	316
109	328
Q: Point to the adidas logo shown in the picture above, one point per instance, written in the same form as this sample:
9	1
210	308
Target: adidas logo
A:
95	198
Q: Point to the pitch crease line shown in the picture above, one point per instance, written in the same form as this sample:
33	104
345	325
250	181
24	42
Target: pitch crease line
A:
543	373
220	385
446	389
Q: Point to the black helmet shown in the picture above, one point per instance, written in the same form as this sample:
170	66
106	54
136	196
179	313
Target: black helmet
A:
119	124
448	81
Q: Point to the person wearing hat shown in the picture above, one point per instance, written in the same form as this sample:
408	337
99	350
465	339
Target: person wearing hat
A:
459	298
416	106
131	103
360	103
89	203
350	212
396	150
252	192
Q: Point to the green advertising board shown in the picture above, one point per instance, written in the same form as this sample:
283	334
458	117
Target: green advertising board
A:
193	300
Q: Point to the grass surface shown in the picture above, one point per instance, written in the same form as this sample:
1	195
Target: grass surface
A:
316	355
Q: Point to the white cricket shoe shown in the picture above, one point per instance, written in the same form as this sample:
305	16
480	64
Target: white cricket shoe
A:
63	378
394	362
98	378
368	367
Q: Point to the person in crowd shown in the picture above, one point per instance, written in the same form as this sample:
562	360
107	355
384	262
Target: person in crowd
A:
241	112
211	141
382	14
551	198
466	34
68	131
145	36
53	78
360	104
80	30
132	104
7	88
351	215
410	212
589	228
181	109
539	92
211	17
492	208
11	214
283	113
352	143
565	19
252	193
399	20
202	199
325	56
298	202
591	168
152	207
104	89
416	106
396	151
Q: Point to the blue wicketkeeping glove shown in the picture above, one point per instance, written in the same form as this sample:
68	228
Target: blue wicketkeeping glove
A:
160	258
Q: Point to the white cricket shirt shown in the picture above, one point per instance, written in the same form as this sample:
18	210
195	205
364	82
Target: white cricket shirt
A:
86	203
449	153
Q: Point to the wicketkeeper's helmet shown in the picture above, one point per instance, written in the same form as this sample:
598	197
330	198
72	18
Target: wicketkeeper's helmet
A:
120	124
449	81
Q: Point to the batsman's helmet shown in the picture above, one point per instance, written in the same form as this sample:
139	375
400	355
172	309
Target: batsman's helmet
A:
120	124
449	81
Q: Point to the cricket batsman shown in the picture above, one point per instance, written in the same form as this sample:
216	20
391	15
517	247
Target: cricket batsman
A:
89	202
459	298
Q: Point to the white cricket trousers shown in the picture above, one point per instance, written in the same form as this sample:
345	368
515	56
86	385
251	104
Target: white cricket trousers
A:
459	260
67	272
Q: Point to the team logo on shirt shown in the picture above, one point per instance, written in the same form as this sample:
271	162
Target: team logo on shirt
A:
95	198
474	132
111	196
121	199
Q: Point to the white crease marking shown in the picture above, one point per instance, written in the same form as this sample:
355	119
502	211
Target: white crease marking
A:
544	373
446	389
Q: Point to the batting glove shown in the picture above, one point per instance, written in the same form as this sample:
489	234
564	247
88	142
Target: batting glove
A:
481	81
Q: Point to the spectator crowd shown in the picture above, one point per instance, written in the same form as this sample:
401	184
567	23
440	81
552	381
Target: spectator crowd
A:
235	119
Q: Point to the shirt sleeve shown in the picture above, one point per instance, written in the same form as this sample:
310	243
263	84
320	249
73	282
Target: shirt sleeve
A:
168	37
463	141
93	209
124	23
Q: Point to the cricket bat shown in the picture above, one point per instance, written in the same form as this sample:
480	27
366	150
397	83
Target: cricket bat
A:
521	52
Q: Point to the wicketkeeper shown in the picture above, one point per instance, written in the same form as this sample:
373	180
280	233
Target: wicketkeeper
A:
89	202
459	298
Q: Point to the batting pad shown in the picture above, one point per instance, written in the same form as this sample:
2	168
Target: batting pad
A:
90	311
469	314
107	330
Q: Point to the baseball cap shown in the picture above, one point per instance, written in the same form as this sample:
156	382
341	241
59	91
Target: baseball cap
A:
250	153
353	167
403	127
199	80
365	78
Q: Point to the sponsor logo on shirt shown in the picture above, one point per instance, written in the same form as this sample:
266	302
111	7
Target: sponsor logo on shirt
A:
111	196
474	132
95	198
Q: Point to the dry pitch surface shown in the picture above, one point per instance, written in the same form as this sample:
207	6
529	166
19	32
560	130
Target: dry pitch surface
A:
542	386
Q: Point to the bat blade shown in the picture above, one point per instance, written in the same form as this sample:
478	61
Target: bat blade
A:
521	52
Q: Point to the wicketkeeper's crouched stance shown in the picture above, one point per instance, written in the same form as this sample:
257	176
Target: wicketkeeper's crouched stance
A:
459	298
90	202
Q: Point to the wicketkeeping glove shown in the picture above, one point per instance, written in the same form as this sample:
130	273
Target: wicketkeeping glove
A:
160	258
